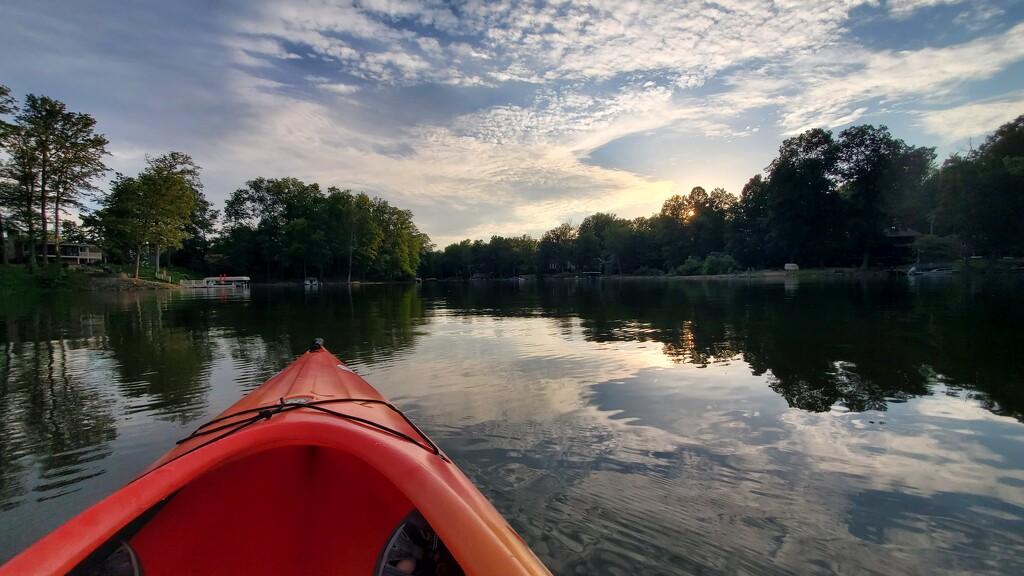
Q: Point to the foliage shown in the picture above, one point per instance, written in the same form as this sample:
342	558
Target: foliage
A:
288	228
556	251
601	241
153	208
876	173
53	157
979	196
931	248
717	263
692	267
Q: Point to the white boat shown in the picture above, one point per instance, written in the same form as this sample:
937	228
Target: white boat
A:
930	271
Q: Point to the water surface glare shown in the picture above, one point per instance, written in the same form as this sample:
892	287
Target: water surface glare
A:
622	427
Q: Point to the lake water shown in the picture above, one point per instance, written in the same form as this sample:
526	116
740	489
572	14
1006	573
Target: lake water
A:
623	427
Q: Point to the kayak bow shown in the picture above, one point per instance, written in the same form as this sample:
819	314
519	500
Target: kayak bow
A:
314	472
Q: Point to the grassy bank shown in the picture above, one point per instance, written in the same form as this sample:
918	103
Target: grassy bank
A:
18	279
168	274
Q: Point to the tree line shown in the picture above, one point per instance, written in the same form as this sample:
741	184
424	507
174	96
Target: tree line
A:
825	200
852	199
285	227
272	228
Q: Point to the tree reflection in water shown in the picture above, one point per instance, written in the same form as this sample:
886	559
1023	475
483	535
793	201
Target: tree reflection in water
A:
49	419
821	343
514	401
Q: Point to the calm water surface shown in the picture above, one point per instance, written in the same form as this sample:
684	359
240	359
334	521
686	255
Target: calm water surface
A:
810	427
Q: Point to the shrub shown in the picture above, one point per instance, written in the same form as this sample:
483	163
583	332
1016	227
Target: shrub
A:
936	248
717	263
691	267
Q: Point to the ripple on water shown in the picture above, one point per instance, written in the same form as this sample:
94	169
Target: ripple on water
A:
55	481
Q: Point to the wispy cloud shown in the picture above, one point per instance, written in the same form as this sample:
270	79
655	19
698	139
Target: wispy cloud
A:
599	71
833	87
906	8
971	120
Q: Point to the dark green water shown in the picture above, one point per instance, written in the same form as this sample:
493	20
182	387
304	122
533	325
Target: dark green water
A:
622	427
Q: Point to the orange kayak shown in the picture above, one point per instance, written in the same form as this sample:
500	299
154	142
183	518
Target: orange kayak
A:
314	472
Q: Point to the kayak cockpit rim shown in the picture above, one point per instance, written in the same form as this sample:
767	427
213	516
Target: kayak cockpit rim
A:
266	412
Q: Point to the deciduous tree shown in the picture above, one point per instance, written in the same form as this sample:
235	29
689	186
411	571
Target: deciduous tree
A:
57	154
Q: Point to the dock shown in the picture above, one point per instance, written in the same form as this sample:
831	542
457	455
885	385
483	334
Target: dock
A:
217	282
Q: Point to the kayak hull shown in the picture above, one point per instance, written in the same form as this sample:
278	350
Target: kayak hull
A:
310	473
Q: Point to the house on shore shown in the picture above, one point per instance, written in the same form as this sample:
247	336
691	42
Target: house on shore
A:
71	253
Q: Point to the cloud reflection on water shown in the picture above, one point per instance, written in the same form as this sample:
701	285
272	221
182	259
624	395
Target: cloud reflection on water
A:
608	459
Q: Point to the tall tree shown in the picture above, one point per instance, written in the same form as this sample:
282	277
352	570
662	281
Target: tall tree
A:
556	248
353	233
602	238
152	208
992	183
711	212
401	242
174	169
61	154
748	237
260	212
8	186
876	171
77	162
672	227
55	155
805	212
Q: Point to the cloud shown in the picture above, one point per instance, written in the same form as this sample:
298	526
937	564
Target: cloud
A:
687	42
831	87
595	73
906	8
971	120
438	172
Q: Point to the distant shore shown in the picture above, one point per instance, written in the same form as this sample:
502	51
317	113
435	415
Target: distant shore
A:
18	279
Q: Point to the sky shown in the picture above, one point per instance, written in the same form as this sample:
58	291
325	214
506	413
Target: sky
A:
507	118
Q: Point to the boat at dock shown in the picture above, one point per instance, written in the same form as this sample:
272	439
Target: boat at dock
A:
217	282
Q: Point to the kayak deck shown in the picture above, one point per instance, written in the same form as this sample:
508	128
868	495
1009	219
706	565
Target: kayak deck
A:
314	472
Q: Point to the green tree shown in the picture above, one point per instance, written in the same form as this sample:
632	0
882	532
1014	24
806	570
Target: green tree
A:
57	154
7	102
876	172
556	248
401	242
8	186
711	213
978	196
458	259
353	232
602	238
645	251
71	231
672	227
805	212
994	192
19	191
152	208
748	237
203	217
259	213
